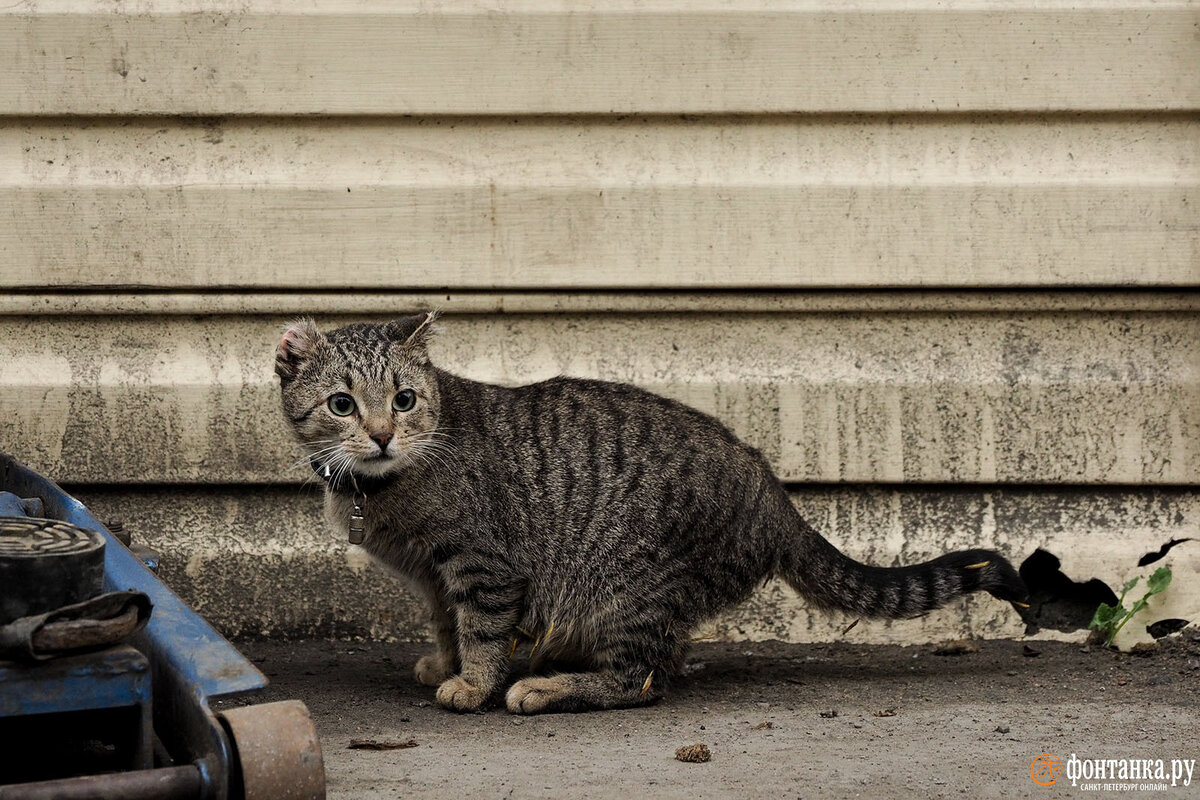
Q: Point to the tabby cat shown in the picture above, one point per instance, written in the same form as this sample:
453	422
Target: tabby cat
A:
599	521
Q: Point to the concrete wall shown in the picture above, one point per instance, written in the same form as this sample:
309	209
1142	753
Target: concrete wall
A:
939	261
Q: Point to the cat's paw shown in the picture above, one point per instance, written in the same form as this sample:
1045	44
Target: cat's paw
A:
459	695
433	669
535	695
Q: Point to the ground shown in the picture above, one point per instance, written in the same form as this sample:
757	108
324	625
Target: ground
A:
809	721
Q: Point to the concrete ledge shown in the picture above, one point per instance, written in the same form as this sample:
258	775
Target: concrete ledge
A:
569	204
1070	397
261	560
155	303
666	56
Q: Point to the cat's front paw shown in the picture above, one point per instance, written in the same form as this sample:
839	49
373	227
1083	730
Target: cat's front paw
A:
433	669
535	695
459	695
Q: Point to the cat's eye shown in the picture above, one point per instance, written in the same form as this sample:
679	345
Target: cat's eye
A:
404	400
342	404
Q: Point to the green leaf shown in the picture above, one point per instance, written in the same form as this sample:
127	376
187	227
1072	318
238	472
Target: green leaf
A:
1159	581
1129	585
1106	616
1110	619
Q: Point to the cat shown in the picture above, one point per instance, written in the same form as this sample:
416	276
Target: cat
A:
599	521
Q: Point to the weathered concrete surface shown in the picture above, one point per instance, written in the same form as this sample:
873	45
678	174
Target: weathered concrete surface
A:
715	203
176	246
666	56
965	726
894	397
261	561
344	303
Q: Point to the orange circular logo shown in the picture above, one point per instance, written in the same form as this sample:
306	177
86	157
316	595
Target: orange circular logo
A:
1045	768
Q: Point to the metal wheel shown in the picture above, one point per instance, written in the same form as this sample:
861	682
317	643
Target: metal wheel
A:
277	751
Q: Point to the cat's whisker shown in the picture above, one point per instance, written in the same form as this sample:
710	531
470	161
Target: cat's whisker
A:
429	436
308	458
431	449
432	444
435	436
433	454
347	465
321	451
445	429
426	458
302	464
338	466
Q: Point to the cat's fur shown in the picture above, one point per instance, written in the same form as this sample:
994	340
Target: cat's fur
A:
602	522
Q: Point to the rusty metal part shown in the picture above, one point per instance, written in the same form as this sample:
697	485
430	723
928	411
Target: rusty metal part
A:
117	528
147	555
75	634
168	783
278	751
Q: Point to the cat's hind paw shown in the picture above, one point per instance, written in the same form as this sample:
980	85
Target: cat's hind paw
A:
535	695
433	669
457	694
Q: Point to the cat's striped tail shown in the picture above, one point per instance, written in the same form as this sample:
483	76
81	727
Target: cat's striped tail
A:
823	574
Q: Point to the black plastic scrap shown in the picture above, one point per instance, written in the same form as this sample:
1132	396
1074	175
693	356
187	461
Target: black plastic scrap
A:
1056	601
1165	627
1161	553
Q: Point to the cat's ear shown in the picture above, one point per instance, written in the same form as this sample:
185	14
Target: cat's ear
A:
298	345
414	331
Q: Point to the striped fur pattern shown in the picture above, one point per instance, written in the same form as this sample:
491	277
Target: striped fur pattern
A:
594	523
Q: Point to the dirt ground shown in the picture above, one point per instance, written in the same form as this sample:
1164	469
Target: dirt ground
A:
807	721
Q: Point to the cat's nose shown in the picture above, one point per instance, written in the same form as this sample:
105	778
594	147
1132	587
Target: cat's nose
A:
381	439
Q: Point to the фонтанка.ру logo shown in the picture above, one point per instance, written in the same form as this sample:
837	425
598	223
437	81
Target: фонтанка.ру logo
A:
1045	769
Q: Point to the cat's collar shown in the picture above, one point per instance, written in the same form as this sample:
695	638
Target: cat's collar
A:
348	482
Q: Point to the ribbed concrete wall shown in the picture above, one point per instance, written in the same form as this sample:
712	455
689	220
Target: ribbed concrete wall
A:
1080	397
767	202
939	261
262	562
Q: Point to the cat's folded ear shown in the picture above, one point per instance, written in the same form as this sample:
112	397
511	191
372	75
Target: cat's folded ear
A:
298	345
414	331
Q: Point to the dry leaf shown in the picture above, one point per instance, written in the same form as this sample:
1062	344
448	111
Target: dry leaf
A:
694	753
376	744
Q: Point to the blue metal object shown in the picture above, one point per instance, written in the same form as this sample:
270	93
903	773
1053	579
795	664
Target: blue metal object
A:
13	506
191	663
118	677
